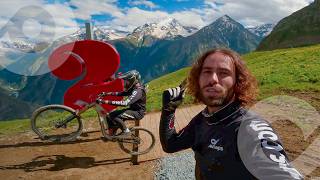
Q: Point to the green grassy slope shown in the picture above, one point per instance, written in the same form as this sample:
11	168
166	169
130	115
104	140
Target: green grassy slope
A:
157	86
286	70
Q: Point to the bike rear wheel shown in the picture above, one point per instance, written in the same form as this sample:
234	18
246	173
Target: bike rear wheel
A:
141	141
56	123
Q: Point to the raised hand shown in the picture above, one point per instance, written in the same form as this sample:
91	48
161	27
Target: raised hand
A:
173	97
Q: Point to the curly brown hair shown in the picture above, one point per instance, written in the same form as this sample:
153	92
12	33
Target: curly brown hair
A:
245	88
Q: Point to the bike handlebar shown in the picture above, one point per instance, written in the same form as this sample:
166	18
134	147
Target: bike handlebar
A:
102	94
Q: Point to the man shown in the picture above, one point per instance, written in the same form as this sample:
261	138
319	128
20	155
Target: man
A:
229	141
136	100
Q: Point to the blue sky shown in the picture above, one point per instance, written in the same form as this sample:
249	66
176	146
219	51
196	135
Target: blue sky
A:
124	15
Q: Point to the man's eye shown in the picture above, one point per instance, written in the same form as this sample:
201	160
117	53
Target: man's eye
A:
224	73
206	72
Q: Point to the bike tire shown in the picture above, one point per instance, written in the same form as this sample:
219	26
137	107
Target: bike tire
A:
44	120
142	148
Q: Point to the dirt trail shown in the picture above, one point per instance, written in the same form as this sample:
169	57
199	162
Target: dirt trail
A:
23	156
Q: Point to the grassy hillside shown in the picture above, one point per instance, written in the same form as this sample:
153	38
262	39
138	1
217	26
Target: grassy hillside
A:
286	70
14	126
157	86
11	107
293	72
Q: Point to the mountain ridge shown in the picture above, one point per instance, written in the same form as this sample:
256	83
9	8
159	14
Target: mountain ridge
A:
301	28
262	30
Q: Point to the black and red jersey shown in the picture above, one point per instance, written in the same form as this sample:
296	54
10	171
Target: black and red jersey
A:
136	99
233	143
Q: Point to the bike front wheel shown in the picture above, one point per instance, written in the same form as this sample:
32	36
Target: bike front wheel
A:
141	141
56	123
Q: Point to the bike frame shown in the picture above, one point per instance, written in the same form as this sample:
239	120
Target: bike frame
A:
101	115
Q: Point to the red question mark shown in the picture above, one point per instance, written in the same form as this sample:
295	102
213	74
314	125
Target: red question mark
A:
92	62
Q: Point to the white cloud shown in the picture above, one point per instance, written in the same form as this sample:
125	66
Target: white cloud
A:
3	21
253	12
143	2
136	17
9	8
86	8
189	18
64	19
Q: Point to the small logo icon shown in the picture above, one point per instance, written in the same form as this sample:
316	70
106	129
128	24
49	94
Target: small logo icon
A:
213	145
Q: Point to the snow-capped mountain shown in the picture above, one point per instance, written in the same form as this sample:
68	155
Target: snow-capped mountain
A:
22	45
222	27
111	34
99	33
262	30
165	29
226	32
225	22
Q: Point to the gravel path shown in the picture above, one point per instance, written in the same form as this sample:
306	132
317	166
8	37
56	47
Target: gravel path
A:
179	166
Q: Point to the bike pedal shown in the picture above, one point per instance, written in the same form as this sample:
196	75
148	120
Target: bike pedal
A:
124	135
113	139
104	139
84	134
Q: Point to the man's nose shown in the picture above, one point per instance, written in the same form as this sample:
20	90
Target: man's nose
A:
214	78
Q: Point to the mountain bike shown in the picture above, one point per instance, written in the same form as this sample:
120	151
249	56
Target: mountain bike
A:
59	123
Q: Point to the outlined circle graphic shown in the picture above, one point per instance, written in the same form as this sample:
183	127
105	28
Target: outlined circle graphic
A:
255	138
25	53
14	27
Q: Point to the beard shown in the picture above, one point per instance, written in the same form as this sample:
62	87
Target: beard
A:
221	99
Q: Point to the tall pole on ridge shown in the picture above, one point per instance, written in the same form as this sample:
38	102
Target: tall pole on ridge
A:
89	32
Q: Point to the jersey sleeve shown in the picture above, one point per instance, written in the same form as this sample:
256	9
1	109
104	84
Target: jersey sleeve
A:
171	141
262	152
135	96
123	93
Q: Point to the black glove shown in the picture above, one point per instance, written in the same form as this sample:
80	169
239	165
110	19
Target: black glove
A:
99	101
173	97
